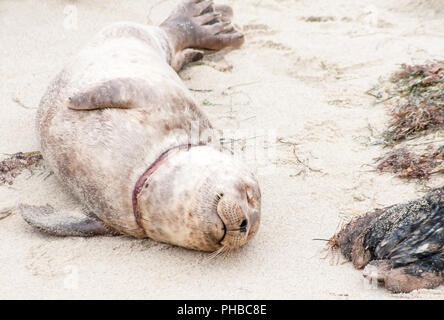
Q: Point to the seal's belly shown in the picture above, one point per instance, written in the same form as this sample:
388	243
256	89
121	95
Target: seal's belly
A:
100	154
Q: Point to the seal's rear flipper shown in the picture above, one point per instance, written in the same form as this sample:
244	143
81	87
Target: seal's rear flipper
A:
197	24
63	222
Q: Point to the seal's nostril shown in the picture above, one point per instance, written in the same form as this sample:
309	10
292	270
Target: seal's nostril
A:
243	226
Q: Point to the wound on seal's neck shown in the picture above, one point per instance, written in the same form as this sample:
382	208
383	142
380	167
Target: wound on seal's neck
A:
148	172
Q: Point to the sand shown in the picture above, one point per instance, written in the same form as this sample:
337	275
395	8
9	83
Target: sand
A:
296	89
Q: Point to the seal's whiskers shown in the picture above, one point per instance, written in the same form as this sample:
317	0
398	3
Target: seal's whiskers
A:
216	253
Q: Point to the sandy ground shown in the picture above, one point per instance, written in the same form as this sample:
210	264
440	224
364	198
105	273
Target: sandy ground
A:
296	88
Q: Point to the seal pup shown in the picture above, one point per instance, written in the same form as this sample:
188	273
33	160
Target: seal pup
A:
115	127
400	247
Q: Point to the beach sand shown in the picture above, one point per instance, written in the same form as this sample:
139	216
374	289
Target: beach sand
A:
296	89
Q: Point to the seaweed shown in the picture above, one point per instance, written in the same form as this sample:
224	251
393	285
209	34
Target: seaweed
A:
13	165
420	104
416	96
406	164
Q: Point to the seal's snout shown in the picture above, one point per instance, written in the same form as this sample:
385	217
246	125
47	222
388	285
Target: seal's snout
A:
237	220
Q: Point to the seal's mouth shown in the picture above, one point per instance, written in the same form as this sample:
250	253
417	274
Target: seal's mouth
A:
217	199
225	232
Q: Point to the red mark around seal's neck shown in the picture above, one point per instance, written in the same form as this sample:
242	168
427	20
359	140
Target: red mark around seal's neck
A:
148	172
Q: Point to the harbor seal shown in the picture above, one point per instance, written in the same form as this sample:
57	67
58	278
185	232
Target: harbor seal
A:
116	124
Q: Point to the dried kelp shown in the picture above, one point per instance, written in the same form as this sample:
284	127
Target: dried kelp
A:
419	90
13	165
406	164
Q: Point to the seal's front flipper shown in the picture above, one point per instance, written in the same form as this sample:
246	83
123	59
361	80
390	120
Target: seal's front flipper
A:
121	93
63	222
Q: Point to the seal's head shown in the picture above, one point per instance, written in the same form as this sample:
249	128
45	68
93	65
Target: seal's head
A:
202	199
